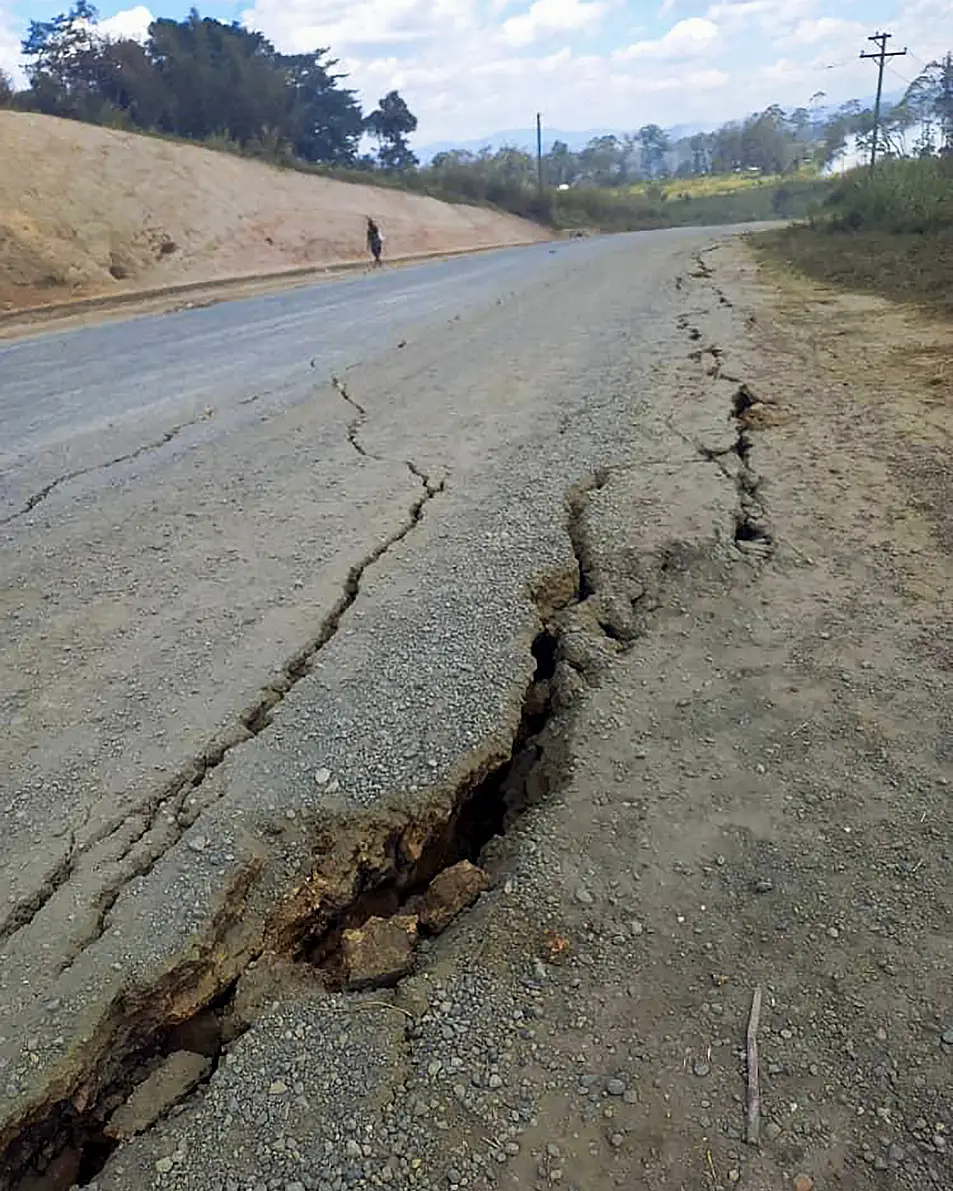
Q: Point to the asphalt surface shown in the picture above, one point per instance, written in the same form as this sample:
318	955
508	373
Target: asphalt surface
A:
243	608
74	400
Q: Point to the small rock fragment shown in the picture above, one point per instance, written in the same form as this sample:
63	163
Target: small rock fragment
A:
803	1182
615	1087
451	892
166	1086
701	1068
772	1130
583	897
379	953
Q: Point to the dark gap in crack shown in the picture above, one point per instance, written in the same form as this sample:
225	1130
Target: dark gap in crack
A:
748	530
71	1146
67	1141
482	812
91	1146
742	401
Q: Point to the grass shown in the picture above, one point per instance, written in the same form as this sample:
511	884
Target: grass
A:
890	234
643	208
721	184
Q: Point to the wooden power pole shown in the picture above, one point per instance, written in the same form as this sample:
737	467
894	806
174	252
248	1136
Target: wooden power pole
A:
539	153
880	57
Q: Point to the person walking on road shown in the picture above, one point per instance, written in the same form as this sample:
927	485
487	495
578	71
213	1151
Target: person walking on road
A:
375	242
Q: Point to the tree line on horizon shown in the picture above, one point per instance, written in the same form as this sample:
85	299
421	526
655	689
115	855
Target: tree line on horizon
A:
204	80
771	142
222	84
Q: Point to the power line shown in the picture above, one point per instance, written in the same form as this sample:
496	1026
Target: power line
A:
881	56
897	75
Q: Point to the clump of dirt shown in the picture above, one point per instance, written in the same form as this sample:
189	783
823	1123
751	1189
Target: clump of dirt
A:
89	211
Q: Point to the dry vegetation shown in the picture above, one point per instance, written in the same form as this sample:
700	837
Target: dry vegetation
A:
891	235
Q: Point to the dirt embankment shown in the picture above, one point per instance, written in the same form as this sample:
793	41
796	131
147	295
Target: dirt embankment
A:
91	211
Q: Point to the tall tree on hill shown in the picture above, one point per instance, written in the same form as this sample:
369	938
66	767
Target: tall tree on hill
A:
602	160
390	124
655	144
219	79
60	57
323	119
930	98
127	82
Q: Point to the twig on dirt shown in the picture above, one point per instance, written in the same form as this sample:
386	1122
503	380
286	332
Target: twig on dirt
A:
800	728
371	1005
754	1090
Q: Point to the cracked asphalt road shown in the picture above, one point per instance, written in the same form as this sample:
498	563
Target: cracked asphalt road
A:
632	584
244	582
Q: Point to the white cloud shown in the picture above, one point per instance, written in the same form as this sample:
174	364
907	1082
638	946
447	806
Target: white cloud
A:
828	31
468	67
766	14
130	24
694	37
546	17
298	26
10	61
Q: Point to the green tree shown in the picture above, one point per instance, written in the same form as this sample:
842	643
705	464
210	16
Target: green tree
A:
7	90
126	80
601	161
561	165
929	99
60	57
767	142
655	144
323	119
390	124
218	79
700	145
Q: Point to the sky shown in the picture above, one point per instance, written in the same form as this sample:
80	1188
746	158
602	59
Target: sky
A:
468	68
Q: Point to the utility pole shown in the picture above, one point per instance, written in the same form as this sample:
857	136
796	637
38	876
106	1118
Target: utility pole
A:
539	153
881	56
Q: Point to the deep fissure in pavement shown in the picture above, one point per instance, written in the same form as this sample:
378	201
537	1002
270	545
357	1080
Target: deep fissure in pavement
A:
66	1142
252	722
751	523
482	811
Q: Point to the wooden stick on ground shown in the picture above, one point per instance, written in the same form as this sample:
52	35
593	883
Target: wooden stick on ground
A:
754	1090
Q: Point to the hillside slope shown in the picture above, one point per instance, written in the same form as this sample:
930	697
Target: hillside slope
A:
87	210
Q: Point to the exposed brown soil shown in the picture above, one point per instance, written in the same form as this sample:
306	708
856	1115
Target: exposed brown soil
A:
88	211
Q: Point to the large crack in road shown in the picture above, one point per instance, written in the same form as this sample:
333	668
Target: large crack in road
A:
358	859
168	802
64	1140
